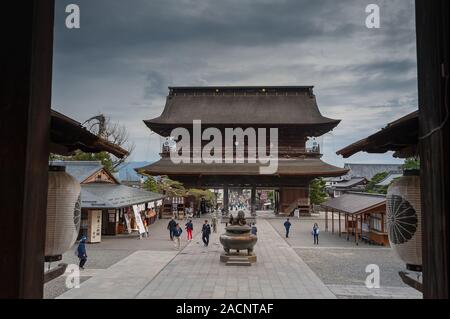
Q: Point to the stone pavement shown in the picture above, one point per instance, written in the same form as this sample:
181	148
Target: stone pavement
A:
124	279
125	267
361	292
196	272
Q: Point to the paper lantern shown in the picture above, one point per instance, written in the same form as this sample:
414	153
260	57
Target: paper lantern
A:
63	213
404	219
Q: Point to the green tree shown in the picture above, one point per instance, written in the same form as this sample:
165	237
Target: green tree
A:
151	184
209	196
103	157
317	192
371	185
172	188
411	163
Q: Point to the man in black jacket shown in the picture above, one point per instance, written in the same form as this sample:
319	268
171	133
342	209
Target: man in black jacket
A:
206	231
171	227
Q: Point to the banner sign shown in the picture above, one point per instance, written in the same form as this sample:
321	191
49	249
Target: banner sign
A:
137	216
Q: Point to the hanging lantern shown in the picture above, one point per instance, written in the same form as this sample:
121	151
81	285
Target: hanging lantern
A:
63	213
404	219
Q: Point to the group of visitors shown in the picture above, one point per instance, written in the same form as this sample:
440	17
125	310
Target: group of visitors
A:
314	232
175	231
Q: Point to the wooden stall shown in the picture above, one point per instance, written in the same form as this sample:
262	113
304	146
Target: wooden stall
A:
364	217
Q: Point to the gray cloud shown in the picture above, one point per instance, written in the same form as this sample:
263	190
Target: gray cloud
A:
127	52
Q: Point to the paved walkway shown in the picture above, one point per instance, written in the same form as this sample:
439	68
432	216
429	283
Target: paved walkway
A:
125	267
196	272
361	292
123	280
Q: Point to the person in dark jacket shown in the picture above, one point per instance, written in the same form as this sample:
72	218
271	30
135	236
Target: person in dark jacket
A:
81	250
287	225
171	227
315	233
206	231
177	235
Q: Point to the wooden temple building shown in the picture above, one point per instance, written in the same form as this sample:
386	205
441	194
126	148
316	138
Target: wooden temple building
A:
292	110
364	217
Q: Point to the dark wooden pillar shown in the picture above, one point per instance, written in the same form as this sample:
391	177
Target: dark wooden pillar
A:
226	199
332	221
25	98
253	201
326	219
432	27
339	224
346	227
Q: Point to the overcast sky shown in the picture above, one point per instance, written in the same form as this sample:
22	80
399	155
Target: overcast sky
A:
126	53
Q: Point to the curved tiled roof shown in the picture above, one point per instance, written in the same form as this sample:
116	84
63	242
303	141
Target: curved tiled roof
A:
101	195
355	203
80	170
241	106
286	167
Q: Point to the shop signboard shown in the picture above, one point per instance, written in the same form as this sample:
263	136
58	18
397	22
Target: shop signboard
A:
94	226
137	216
127	221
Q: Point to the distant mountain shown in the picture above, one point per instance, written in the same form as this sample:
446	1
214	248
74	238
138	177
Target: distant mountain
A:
126	172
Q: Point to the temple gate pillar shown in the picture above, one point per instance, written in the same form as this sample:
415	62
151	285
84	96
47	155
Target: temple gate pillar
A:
226	199
253	201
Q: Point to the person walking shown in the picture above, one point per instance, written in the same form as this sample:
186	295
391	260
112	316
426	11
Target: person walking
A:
147	232
254	229
177	236
206	231
214	223
189	229
171	227
287	225
315	233
81	252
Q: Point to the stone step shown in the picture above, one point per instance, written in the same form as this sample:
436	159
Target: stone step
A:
238	258
238	263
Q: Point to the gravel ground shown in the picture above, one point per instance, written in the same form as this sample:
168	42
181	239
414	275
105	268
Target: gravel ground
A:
337	261
347	266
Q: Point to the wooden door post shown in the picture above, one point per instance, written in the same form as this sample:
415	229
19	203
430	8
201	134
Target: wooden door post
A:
25	100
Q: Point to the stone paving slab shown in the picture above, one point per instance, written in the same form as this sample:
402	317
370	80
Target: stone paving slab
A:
362	292
123	280
86	272
198	273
